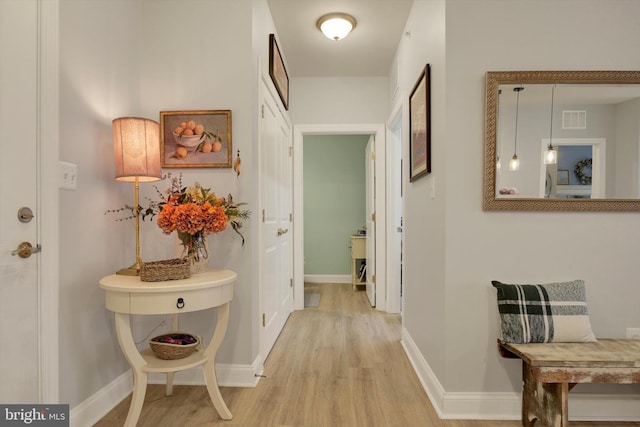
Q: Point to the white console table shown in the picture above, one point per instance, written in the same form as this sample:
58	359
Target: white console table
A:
127	295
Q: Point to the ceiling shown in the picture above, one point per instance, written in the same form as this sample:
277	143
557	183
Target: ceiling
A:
367	51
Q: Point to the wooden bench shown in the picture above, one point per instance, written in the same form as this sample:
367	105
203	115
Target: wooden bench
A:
551	370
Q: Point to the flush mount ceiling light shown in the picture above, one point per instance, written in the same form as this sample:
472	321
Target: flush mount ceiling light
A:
336	26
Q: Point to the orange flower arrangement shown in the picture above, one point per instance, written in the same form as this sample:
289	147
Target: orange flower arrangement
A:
194	213
193	210
192	218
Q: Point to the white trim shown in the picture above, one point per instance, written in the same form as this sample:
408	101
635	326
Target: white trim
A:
376	129
228	375
427	377
506	406
91	410
394	266
48	154
327	278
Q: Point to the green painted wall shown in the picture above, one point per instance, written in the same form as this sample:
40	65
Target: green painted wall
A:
334	200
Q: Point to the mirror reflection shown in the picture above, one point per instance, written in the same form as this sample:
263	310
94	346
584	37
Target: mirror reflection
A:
594	130
585	124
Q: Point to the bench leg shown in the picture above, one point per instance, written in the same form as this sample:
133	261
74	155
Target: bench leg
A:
548	402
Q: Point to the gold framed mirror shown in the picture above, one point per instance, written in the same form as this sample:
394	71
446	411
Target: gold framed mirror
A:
594	115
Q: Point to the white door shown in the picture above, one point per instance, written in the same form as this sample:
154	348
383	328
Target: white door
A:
370	171
394	214
19	293
276	260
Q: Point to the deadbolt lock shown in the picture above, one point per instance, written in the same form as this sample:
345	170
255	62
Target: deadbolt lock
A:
25	214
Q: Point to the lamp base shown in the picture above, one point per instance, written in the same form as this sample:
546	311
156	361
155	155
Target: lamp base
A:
129	271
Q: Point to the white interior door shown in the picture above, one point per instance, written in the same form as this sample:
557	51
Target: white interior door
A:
276	260
394	214
19	292
370	171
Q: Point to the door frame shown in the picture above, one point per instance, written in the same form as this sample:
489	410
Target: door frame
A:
395	127
48	198
299	131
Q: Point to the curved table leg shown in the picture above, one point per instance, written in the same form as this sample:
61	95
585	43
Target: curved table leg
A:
210	368
137	398
128	346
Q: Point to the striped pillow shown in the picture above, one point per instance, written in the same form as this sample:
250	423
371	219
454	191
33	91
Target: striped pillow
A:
553	312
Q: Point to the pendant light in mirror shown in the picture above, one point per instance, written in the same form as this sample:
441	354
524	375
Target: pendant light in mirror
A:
514	164
551	155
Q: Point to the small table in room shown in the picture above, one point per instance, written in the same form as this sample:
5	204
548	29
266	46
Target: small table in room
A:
358	256
127	295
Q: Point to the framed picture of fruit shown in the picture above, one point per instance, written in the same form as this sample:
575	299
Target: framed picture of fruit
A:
195	139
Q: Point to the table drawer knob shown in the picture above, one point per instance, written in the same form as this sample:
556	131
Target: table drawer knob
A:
180	303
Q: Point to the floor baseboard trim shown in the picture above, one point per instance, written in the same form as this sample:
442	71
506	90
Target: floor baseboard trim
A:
327	278
427	377
506	406
90	411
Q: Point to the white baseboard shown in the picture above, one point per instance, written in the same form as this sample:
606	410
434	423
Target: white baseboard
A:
327	278
228	375
90	411
506	406
427	378
98	405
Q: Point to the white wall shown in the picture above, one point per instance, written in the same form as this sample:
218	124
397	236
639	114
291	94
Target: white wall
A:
339	100
627	152
424	216
130	58
99	81
201	67
459	342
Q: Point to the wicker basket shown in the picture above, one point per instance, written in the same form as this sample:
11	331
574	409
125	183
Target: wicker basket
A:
170	269
183	345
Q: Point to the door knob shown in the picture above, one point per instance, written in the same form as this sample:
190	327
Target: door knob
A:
282	231
25	249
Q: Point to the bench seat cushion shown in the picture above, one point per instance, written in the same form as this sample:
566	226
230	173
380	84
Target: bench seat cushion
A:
552	312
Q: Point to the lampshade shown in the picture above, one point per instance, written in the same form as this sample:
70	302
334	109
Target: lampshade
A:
136	144
336	26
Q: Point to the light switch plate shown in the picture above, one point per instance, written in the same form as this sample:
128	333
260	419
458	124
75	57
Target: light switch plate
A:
67	176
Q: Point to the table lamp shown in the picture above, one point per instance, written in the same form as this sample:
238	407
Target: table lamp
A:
136	144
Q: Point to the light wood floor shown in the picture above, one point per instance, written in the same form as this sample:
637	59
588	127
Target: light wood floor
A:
338	365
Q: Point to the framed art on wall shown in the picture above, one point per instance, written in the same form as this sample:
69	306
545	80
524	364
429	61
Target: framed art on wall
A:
420	127
278	72
195	139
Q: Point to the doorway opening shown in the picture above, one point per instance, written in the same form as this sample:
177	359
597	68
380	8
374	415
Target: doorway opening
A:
378	132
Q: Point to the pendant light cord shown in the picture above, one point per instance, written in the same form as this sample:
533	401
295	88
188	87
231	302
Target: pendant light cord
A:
515	142
553	89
